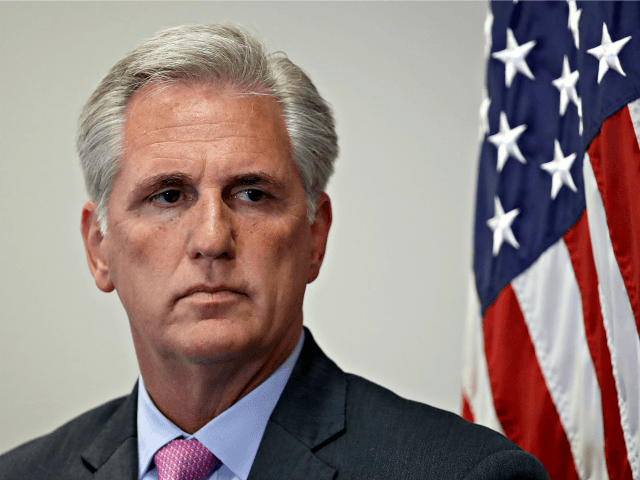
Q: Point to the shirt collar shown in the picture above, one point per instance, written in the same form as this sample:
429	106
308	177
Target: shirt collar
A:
233	436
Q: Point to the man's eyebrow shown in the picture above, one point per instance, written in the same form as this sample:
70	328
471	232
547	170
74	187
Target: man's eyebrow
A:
257	178
162	180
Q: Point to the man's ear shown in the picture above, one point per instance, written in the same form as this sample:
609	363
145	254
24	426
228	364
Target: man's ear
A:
320	232
94	246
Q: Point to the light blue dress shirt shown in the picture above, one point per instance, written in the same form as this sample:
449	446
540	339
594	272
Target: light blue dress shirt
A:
233	436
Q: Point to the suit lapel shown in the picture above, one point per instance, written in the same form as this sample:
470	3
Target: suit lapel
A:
114	451
281	455
309	414
122	464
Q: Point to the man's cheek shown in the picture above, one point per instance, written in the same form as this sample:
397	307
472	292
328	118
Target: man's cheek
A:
146	245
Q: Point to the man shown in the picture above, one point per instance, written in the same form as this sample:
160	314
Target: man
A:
206	160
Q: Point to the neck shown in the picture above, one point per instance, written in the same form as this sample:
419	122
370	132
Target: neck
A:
193	394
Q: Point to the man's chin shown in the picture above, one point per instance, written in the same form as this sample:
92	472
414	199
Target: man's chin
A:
212	356
216	341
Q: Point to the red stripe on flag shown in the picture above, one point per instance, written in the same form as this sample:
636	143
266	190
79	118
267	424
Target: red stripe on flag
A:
615	158
521	398
578	243
467	414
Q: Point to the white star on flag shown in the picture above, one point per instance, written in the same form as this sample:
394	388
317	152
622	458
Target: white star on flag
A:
607	52
513	58
506	141
574	19
559	169
501	226
566	84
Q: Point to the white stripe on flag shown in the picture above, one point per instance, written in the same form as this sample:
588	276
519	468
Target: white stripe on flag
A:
634	111
550	301
475	377
619	322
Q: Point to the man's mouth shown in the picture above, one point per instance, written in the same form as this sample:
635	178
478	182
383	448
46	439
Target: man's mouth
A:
211	293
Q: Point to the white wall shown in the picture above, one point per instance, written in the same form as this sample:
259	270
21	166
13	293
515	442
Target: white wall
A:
390	304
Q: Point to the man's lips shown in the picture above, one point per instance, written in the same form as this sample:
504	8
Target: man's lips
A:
207	292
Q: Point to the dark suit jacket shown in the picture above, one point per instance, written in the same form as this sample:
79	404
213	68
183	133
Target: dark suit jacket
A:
326	425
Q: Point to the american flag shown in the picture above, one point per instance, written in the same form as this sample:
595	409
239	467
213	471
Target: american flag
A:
553	351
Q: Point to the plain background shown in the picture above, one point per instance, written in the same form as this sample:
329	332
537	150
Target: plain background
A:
405	81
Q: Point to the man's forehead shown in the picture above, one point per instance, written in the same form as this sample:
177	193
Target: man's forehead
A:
199	112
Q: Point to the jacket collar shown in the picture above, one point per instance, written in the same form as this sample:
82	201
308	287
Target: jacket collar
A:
309	414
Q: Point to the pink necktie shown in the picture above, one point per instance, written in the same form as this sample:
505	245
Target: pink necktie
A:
184	460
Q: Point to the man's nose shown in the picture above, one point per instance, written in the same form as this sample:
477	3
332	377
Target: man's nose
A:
212	230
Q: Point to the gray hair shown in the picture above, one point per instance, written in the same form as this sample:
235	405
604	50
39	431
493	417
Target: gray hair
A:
220	54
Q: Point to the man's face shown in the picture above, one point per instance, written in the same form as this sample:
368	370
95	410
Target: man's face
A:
208	245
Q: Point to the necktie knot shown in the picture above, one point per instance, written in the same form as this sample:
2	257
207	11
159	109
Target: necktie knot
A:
184	460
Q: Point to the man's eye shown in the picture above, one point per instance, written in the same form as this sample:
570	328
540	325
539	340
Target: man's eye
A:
251	195
168	196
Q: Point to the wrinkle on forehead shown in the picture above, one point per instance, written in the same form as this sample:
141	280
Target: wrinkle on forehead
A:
197	132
